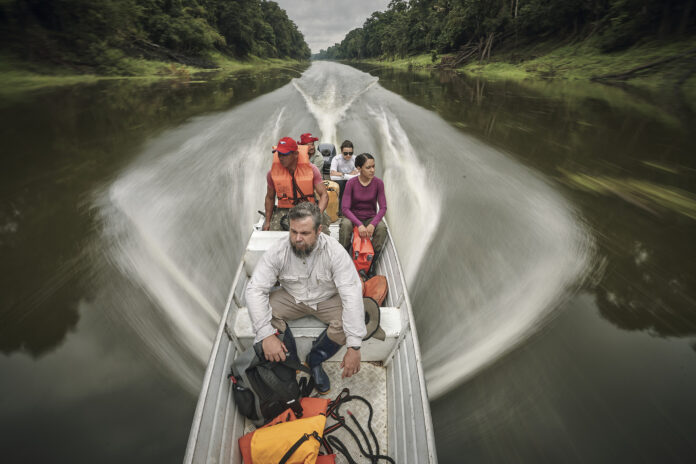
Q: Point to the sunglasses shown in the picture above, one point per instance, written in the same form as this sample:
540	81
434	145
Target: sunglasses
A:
284	154
348	153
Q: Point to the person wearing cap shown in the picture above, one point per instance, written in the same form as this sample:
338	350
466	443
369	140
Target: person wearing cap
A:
293	180
317	278
315	157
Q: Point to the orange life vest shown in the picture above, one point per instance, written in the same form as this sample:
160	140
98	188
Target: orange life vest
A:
288	194
363	253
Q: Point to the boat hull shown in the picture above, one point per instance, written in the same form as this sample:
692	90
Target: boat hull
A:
217	424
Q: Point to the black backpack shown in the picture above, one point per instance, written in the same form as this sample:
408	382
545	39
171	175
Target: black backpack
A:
263	389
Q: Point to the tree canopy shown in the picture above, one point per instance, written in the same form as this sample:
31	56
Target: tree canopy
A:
411	27
89	31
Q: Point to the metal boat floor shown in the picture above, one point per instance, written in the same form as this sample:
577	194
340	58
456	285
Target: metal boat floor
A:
371	384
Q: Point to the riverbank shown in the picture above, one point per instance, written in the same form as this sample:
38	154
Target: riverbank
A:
581	61
18	76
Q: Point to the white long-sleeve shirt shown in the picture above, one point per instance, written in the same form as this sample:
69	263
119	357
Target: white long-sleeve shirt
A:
326	271
338	163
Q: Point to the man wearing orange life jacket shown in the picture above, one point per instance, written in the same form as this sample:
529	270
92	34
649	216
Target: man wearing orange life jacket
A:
293	180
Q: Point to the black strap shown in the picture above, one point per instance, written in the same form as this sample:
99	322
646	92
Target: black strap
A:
293	363
297	444
297	191
306	386
345	393
296	407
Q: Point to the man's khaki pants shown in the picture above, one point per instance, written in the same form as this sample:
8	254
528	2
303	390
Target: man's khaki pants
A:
329	312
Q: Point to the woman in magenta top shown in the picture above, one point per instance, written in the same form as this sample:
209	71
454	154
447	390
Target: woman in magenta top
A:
359	206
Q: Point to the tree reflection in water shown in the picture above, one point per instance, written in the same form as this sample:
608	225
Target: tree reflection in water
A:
59	145
607	137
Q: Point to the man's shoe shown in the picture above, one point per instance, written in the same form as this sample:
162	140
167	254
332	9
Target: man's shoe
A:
321	380
322	349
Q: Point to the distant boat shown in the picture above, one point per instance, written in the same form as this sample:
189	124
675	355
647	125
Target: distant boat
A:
391	375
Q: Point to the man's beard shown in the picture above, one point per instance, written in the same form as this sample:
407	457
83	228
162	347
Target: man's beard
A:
303	253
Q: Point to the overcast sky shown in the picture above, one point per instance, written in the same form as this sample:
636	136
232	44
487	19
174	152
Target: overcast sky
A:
326	22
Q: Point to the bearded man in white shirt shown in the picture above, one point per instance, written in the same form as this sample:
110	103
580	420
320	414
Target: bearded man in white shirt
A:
318	278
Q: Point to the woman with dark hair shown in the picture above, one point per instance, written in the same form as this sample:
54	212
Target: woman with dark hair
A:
360	199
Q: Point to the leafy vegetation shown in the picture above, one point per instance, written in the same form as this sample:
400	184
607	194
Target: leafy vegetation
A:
470	29
114	36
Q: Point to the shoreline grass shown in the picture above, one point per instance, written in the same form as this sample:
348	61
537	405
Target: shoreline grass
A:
17	76
581	61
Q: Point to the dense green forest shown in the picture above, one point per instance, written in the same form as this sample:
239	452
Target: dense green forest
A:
473	28
101	34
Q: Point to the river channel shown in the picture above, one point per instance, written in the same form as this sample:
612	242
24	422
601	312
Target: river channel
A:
546	230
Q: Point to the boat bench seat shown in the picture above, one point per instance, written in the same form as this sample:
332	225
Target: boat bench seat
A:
308	328
257	246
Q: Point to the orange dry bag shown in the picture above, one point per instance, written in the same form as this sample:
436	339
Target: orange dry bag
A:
376	288
294	442
277	439
363	253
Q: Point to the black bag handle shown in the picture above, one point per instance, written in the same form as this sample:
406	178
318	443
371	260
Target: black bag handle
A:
297	444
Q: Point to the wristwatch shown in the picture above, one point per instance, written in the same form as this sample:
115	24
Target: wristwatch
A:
356	348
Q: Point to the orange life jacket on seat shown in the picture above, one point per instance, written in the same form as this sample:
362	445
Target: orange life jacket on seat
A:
363	253
288	194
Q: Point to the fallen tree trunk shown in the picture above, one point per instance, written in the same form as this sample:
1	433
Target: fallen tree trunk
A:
487	46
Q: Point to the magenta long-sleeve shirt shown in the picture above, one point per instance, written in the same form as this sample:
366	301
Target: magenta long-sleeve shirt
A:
360	203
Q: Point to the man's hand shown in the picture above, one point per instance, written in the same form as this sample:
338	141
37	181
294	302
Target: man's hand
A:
370	230
362	231
273	349
350	363
266	225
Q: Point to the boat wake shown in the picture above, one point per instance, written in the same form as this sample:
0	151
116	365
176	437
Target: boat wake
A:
328	97
487	246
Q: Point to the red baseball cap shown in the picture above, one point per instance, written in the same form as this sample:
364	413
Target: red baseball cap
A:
307	138
286	145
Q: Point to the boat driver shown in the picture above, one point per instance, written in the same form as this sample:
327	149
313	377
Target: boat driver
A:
293	180
318	278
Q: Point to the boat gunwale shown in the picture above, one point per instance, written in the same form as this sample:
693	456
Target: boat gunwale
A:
202	397
417	352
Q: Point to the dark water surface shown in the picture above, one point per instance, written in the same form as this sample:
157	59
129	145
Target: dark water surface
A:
612	377
607	373
75	385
